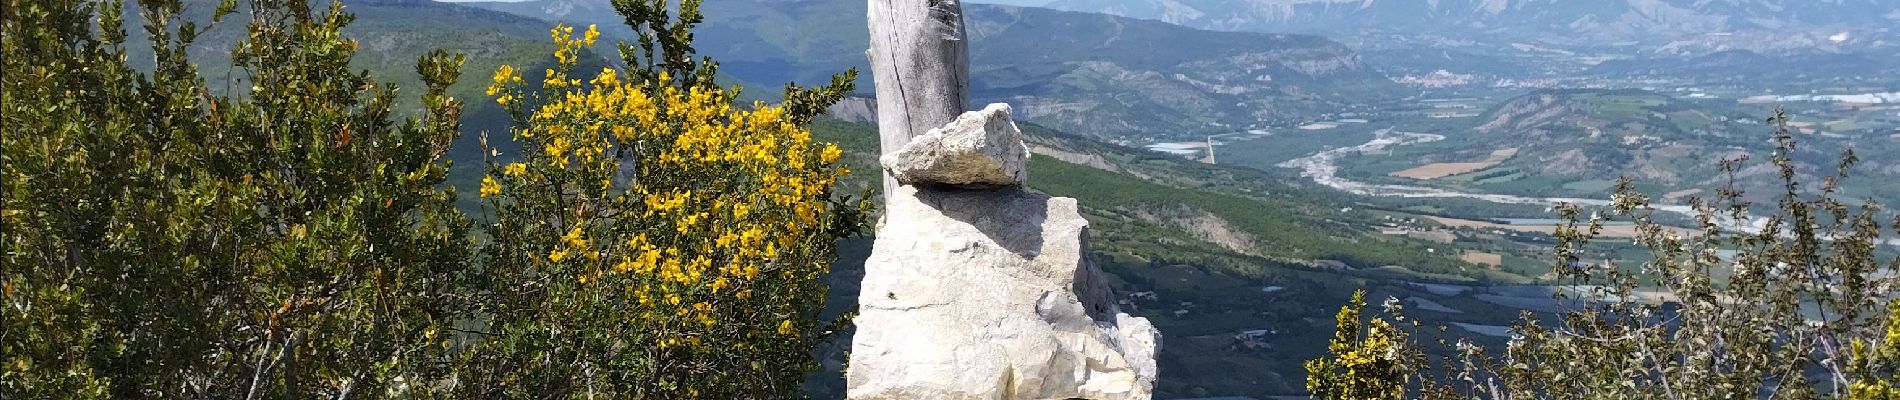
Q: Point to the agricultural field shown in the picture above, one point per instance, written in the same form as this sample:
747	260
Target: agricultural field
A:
1483	258
1439	170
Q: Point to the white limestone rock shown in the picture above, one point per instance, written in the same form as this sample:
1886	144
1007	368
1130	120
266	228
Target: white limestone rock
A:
989	294
980	148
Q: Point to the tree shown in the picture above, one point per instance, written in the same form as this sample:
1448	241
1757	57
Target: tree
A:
920	57
653	240
1370	359
1803	308
289	241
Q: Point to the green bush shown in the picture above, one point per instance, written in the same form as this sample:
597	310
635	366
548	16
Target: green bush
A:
289	241
1370	360
653	240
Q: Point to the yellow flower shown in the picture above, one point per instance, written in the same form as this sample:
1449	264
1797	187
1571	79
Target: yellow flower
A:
557	147
755	202
504	74
490	187
830	154
607	78
648	261
575	238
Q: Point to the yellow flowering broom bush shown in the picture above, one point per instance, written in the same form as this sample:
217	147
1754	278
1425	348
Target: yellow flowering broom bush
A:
653	240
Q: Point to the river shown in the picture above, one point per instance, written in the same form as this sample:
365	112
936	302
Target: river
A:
1323	168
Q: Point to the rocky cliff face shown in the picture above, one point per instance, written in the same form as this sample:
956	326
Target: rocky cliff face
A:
854	109
979	289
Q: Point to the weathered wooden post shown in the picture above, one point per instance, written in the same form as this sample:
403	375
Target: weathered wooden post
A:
920	62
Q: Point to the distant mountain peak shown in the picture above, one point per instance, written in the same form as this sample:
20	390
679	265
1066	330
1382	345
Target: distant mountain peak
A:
1576	22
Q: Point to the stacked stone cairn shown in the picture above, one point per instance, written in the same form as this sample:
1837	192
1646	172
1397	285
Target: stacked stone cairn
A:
978	288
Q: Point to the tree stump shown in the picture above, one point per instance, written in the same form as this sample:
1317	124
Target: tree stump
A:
920	62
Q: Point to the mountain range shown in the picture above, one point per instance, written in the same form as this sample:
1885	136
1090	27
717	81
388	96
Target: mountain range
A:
1091	74
1682	26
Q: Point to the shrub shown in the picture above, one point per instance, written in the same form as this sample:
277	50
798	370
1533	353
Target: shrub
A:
1803	308
1371	358
653	240
159	241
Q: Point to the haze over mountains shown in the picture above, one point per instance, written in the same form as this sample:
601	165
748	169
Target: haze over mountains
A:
1661	25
